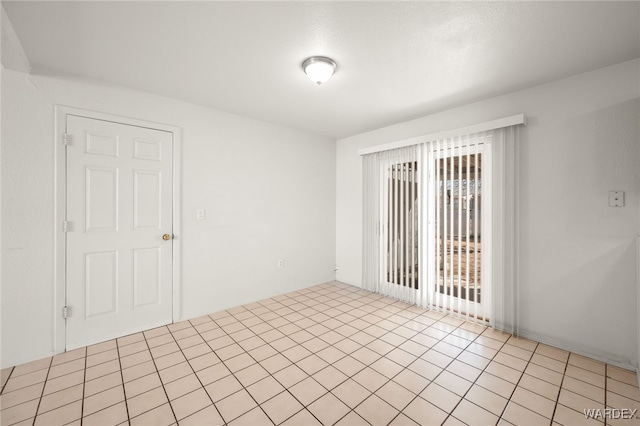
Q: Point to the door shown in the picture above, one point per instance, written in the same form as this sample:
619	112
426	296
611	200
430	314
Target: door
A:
119	229
399	223
400	232
459	192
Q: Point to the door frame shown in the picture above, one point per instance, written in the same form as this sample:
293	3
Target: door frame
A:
58	324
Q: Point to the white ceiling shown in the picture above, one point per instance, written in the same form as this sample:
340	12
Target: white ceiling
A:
396	60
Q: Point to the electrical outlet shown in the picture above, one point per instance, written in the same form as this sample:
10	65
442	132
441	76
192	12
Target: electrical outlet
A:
616	198
200	214
280	263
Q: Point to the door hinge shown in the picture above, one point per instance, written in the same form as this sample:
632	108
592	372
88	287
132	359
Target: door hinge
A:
67	226
66	312
67	139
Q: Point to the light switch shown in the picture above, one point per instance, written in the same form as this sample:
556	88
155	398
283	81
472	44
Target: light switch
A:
616	198
200	214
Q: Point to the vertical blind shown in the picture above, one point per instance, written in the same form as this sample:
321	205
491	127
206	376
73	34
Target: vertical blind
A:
455	202
431	214
391	188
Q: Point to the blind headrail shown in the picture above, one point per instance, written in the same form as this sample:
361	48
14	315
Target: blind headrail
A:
475	128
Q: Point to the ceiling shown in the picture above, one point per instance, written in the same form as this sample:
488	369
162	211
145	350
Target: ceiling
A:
396	60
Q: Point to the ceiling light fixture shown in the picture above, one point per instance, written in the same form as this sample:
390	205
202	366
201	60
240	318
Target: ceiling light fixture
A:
319	69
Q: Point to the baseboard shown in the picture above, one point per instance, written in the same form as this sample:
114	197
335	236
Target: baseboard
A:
348	283
560	344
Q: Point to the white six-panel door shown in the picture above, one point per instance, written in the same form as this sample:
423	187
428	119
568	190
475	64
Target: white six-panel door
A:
119	229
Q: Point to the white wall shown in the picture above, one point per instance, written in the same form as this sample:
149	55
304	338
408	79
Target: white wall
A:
577	255
269	193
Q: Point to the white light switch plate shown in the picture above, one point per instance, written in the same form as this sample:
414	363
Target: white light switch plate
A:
200	214
616	198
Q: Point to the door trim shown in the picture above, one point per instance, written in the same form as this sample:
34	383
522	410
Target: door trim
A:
58	344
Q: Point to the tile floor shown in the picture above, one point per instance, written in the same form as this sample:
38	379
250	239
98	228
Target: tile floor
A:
329	354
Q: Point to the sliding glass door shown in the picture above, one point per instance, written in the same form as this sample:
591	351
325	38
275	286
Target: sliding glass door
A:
434	233
399	224
440	224
455	205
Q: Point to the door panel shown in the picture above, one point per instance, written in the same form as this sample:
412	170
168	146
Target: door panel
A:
119	205
101	283
147	270
101	199
401	224
456	205
147	199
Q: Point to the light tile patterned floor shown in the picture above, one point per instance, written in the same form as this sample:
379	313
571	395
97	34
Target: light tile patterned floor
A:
329	354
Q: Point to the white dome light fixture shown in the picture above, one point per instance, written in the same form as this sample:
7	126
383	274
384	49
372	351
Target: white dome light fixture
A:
319	69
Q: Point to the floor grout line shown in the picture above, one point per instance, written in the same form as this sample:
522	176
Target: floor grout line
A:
519	380
124	389
241	384
337	306
35	416
7	380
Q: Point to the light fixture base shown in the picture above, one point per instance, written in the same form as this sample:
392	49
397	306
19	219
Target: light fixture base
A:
319	69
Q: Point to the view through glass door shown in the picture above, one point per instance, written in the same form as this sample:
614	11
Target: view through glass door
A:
458	204
401	220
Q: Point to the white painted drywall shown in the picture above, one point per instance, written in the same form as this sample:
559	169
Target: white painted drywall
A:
577	255
269	194
12	53
27	222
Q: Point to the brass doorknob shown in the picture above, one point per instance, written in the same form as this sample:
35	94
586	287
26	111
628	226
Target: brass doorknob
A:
166	237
